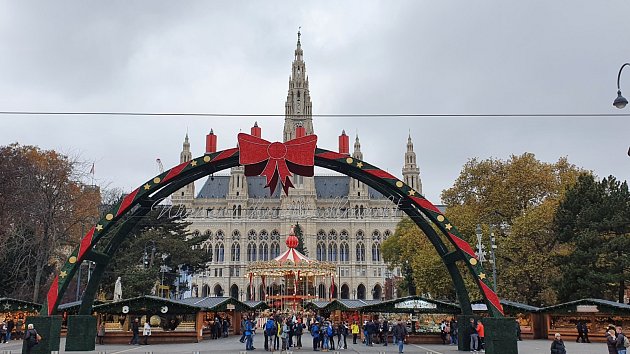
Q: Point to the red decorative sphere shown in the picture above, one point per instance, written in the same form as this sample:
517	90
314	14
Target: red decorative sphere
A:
292	241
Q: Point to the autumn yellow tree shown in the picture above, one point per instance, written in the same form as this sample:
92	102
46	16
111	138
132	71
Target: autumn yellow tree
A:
516	199
44	210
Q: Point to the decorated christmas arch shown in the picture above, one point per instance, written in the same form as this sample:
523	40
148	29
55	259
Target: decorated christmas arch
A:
277	162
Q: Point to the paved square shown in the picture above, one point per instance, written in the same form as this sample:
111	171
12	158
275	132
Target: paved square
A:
231	345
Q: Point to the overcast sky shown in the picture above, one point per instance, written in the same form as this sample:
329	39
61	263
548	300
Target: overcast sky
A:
362	57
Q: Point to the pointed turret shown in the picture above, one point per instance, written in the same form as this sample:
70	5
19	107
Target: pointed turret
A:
298	107
185	155
410	171
357	154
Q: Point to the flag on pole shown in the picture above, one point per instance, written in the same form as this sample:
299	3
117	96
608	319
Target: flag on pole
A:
92	169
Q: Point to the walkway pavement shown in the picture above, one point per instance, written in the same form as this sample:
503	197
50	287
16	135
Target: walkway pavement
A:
231	345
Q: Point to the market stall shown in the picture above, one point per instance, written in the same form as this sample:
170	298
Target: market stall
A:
596	314
16	311
421	315
531	322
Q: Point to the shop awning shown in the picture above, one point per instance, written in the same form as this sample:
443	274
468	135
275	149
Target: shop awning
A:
412	304
588	306
12	305
256	305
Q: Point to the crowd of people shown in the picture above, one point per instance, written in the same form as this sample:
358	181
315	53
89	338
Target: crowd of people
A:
285	332
11	328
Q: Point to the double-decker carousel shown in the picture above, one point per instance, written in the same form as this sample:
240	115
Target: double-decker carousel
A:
291	278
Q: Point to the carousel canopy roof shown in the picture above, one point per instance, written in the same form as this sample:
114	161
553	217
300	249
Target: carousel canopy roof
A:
10	305
292	262
412	304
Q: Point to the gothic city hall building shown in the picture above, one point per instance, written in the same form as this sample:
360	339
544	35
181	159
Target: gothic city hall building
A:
343	221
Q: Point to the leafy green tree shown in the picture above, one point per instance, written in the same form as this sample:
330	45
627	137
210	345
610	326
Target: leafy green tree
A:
158	240
516	199
593	226
297	229
422	268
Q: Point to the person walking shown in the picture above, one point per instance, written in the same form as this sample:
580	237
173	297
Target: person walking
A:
135	330
611	341
385	331
10	326
3	332
474	336
585	333
454	331
557	346
100	335
481	333
31	337
315	334
285	334
355	332
146	332
299	330
249	335
622	340
580	331
399	332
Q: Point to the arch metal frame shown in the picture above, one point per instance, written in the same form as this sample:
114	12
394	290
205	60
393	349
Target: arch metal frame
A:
102	240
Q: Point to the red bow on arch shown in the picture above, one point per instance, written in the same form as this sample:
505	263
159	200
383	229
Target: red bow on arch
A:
277	160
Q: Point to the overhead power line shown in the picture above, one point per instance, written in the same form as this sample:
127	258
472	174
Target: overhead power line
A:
340	115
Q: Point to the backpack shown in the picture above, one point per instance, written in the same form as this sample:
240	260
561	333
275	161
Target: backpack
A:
626	342
329	331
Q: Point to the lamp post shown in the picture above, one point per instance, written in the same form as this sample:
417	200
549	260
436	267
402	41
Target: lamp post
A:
241	294
354	294
621	102
481	253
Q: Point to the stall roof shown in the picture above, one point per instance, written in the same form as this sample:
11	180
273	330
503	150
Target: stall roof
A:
256	305
75	305
8	304
148	304
316	304
588	306
413	304
215	304
509	307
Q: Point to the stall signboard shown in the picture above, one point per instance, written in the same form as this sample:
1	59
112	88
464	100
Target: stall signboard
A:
415	304
230	307
479	307
586	308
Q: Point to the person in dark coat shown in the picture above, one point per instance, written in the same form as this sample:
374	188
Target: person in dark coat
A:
557	346
611	341
580	331
30	338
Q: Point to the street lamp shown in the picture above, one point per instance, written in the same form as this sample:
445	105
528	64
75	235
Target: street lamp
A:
241	294
354	294
481	253
620	102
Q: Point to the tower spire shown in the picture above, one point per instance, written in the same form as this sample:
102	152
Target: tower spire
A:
298	107
357	154
410	171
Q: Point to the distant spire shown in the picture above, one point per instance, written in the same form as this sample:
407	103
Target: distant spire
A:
256	123
299	34
211	131
357	154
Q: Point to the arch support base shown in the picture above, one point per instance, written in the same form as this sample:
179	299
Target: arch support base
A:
49	327
81	333
500	335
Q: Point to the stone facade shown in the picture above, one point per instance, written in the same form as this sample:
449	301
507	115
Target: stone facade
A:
343	220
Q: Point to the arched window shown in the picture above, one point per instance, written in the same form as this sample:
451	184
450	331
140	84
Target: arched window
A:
386	234
376	252
263	235
236	252
376	235
321	235
344	253
251	235
360	235
321	289
321	251
345	291
275	250
251	252
360	252
332	252
219	252
263	252
220	235
236	235
275	235
343	235
361	292
332	235
208	234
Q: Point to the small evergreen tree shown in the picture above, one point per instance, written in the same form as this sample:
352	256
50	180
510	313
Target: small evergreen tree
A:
300	236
